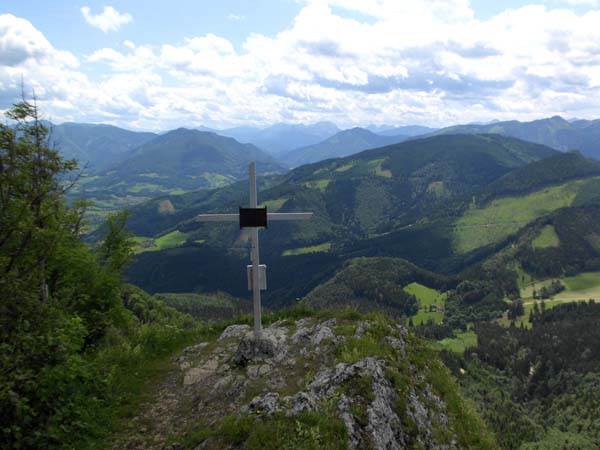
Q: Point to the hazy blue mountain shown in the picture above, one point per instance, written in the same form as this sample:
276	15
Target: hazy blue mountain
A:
407	130
282	137
207	129
555	132
96	145
342	144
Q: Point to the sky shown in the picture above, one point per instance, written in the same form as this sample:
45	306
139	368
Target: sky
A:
156	65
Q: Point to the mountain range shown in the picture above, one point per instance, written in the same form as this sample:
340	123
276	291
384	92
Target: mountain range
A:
555	132
341	144
178	161
417	200
96	146
281	137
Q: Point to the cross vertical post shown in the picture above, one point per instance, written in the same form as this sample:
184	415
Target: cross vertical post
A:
254	218
254	256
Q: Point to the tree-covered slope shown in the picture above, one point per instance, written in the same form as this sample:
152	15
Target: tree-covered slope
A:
555	132
538	388
342	144
399	200
175	162
375	284
185	159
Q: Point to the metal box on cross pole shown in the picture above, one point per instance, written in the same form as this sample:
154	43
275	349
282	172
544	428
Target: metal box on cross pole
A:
262	276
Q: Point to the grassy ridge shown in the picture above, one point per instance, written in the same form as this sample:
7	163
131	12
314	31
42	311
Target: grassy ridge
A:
502	217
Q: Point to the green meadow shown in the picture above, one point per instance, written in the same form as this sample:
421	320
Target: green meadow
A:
502	217
170	240
426	297
546	238
321	185
459	343
325	247
581	287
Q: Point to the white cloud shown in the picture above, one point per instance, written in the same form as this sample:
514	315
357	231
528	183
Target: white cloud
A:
108	20
431	62
235	17
591	3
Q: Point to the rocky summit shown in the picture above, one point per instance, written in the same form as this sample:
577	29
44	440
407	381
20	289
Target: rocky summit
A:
316	382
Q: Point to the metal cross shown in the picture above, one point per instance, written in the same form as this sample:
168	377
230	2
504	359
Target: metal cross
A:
254	218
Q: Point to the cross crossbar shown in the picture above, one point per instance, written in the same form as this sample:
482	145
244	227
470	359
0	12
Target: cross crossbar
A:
236	217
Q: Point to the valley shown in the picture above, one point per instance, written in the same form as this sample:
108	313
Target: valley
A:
300	225
465	240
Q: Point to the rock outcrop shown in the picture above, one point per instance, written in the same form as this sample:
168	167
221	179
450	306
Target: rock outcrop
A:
298	368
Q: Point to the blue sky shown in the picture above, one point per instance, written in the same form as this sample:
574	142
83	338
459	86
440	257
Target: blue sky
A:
156	65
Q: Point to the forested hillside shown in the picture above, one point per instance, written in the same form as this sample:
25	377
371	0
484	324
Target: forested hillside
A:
173	163
555	132
401	200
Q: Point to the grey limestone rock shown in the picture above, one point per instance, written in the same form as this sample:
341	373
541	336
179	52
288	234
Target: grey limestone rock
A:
362	328
266	404
252	348
234	331
322	334
299	402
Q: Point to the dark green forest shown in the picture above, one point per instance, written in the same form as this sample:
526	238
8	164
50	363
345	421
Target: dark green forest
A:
538	388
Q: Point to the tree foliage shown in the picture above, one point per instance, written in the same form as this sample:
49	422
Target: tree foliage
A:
61	300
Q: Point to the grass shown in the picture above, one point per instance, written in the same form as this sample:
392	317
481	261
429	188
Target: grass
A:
273	205
325	247
527	290
139	187
306	431
547	238
173	239
170	240
346	167
320	185
581	287
375	165
459	343
426	297
583	281
502	217
216	180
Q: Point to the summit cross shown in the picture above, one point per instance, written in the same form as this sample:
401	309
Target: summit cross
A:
254	218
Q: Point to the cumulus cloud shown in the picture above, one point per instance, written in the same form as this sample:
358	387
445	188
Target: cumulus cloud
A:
425	61
592	3
108	20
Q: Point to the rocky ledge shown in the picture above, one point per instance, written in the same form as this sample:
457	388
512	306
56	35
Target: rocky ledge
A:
364	376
